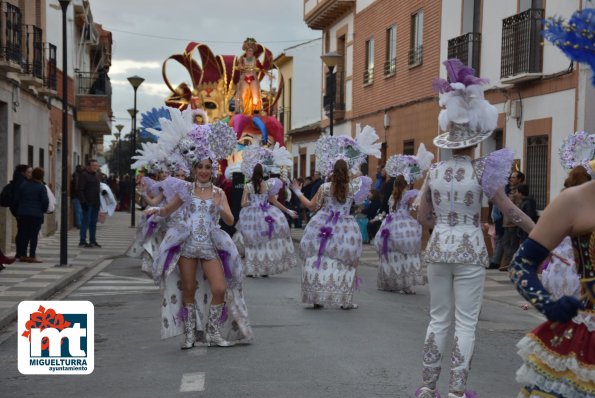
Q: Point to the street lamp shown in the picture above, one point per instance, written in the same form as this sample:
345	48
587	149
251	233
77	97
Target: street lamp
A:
119	127
331	59
132	112
64	189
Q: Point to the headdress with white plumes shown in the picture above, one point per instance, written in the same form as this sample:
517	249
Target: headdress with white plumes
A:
578	149
329	149
151	157
409	166
467	118
272	160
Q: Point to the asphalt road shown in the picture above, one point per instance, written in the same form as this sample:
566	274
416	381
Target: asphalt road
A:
374	351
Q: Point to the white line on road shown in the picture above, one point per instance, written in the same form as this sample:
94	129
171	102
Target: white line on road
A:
192	382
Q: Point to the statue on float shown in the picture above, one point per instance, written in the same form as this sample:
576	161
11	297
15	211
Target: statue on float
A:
228	89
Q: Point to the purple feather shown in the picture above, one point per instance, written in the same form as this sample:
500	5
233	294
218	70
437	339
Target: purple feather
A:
441	86
224	256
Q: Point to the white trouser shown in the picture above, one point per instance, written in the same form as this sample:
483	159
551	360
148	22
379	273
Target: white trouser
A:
457	287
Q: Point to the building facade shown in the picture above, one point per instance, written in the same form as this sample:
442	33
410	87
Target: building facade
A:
31	79
299	107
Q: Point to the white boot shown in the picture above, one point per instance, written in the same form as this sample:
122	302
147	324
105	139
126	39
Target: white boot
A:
189	319
214	337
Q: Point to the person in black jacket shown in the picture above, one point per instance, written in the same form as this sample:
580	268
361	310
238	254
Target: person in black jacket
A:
528	206
88	193
21	174
32	203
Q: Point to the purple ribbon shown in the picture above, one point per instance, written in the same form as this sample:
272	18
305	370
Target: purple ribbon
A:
271	223
224	256
170	256
385	235
151	229
223	316
182	314
264	206
325	234
358	282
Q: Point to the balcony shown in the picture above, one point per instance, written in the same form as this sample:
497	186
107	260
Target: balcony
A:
390	67
338	97
10	37
50	82
325	12
416	56
32	65
467	49
369	76
93	102
521	58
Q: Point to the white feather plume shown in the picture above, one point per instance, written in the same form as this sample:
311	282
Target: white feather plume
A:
424	157
281	156
366	140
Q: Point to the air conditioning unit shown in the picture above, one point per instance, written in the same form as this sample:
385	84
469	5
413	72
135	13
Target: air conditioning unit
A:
386	121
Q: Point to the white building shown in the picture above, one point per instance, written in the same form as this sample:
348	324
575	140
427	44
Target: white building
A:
540	94
300	106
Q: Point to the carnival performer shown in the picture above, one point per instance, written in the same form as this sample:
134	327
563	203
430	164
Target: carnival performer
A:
450	203
203	293
248	100
263	231
332	243
558	356
398	242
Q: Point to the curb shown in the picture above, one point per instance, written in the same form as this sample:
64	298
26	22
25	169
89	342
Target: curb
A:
49	291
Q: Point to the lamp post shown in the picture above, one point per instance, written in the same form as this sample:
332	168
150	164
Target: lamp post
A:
132	112
331	59
119	127
64	189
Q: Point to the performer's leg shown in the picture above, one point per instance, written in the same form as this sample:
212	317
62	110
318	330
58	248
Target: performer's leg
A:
187	268
217	311
468	291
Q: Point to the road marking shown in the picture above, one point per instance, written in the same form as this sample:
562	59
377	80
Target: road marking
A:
192	382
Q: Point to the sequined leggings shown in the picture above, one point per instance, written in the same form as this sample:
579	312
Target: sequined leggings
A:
454	288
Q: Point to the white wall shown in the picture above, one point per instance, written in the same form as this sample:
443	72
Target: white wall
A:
362	4
306	88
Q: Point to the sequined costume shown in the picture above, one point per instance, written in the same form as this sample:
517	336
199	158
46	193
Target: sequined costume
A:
398	244
559	358
263	234
331	247
194	232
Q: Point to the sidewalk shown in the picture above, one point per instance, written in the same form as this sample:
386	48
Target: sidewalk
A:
497	286
25	281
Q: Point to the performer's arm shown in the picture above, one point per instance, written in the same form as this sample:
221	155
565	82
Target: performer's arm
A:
245	198
516	215
425	212
166	210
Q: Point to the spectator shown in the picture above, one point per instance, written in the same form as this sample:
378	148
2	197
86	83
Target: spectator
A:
76	203
307	191
496	216
295	205
380	178
372	212
510	238
528	206
124	189
32	203
22	173
386	191
88	193
316	183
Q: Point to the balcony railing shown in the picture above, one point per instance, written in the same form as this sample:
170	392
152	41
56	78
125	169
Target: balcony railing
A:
466	48
390	67
93	83
416	55
521	43
33	52
339	95
50	75
369	75
11	34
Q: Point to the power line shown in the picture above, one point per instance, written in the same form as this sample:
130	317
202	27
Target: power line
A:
202	41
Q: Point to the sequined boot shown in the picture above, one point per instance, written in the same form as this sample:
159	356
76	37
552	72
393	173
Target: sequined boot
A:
189	318
214	337
426	392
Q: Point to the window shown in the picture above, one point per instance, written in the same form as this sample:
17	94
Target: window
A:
30	155
471	16
409	147
525	5
312	164
390	63
537	168
369	65
522	43
416	39
296	164
41	158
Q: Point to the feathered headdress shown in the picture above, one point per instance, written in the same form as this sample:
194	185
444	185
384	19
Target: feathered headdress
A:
576	38
578	149
354	151
272	160
467	118
409	166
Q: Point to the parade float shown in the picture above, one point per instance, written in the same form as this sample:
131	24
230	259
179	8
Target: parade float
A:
241	91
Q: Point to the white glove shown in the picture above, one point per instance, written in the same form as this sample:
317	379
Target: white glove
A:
152	210
291	213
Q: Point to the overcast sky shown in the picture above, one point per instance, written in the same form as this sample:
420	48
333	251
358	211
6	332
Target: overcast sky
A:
146	32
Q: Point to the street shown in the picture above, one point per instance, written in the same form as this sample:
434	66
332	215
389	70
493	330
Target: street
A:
374	351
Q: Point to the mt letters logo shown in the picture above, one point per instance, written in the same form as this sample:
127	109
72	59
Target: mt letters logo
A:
56	337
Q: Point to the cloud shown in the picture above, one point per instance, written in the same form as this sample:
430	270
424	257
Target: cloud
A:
127	66
157	89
